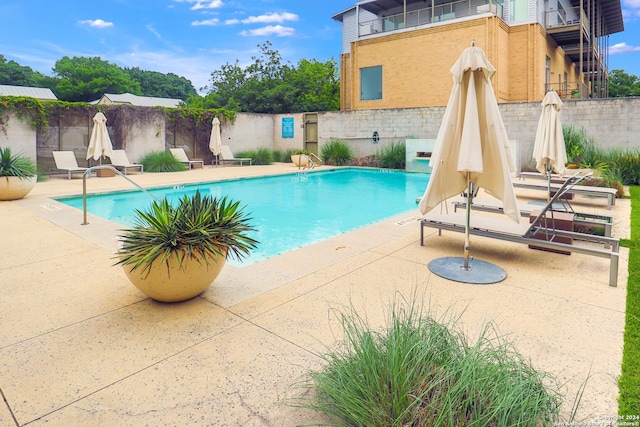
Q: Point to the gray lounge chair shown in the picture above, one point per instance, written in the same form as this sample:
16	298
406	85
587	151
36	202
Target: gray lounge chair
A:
543	226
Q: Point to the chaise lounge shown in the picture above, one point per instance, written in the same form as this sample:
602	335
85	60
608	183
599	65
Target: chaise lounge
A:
120	161
226	156
66	162
542	227
180	154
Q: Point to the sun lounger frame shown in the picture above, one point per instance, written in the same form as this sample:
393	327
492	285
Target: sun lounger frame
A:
181	155
585	220
226	159
58	158
609	193
118	162
507	230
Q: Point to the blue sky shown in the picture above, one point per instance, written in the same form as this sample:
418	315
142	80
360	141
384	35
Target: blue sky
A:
192	38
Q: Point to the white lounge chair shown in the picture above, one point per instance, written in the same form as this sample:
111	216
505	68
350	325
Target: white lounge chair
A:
227	156
540	233
66	162
121	162
180	154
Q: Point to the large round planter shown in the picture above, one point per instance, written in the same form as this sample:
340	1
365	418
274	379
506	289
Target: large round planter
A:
300	161
13	188
172	283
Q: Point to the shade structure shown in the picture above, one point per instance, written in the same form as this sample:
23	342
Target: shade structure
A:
100	142
472	147
549	150
215	141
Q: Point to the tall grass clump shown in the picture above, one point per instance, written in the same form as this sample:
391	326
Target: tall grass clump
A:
261	156
421	372
576	142
162	161
336	152
282	156
392	156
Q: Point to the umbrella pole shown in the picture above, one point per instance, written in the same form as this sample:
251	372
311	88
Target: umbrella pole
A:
467	244
548	181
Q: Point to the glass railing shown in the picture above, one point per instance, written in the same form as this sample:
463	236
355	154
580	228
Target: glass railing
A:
428	15
565	17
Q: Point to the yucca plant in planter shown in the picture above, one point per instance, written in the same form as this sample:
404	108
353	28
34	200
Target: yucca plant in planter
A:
174	253
17	175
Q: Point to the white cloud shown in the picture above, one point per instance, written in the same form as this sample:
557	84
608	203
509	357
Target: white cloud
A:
232	21
634	4
96	23
152	30
620	48
210	4
271	17
271	30
214	4
209	22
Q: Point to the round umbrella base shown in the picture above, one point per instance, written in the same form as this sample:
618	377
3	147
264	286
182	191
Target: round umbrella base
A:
478	273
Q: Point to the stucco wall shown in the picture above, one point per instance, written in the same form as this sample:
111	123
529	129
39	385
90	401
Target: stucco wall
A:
611	123
19	136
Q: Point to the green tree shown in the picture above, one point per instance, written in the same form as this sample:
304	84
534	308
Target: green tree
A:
622	84
87	79
12	73
269	86
153	83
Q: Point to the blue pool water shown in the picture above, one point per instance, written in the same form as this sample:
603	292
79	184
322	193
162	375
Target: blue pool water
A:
289	211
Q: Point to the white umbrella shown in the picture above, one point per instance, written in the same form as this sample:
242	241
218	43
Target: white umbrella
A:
472	146
215	141
99	143
549	150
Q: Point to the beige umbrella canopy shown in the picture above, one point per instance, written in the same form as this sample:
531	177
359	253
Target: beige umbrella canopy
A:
549	150
215	141
99	143
472	146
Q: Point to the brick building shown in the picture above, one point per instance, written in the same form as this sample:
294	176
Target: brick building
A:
397	53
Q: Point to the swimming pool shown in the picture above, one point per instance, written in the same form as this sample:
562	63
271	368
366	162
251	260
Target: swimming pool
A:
289	211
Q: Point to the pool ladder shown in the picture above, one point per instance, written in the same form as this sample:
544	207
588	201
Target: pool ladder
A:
84	187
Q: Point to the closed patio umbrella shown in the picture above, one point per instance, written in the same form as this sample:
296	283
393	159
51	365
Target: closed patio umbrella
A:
100	142
215	141
472	147
549	150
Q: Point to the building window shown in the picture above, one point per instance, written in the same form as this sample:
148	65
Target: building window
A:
547	76
371	83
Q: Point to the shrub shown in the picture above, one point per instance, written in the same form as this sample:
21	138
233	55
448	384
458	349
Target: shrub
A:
162	161
336	152
576	142
420	372
392	156
261	156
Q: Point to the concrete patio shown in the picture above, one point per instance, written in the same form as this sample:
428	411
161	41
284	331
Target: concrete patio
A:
80	346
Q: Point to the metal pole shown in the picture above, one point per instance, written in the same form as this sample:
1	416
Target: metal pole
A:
467	244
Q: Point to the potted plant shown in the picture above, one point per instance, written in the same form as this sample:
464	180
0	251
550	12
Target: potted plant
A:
300	158
17	175
174	253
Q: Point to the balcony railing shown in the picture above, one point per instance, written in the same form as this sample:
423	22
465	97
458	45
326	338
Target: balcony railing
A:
428	15
565	18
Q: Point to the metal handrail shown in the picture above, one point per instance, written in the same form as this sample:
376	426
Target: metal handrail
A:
84	187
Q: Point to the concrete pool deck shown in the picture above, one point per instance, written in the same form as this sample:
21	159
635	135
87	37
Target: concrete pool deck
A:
79	345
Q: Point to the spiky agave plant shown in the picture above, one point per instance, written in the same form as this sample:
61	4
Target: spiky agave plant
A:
200	226
16	165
